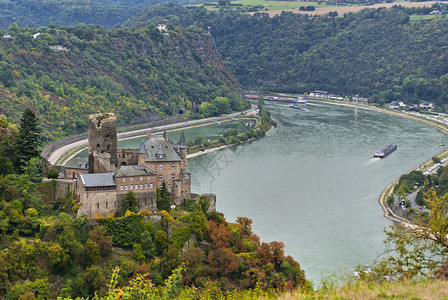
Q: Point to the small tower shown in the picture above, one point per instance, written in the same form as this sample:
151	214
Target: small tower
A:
102	139
182	149
142	154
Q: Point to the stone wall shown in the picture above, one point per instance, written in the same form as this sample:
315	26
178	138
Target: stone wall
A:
127	157
102	138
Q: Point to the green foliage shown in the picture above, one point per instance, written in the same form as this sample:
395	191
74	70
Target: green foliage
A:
109	70
28	141
53	174
305	53
125	231
163	201
180	236
161	240
139	254
130	203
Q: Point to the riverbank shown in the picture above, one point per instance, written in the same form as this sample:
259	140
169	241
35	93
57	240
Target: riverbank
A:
388	213
210	150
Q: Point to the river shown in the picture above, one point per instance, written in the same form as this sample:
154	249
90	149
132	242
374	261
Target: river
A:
313	184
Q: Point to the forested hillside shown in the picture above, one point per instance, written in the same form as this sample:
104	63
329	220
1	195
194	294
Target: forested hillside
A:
66	73
376	52
33	13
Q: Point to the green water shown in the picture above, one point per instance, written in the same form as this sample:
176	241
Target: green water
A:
313	183
207	132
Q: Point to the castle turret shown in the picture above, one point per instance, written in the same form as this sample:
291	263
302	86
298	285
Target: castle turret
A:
102	139
141	154
182	149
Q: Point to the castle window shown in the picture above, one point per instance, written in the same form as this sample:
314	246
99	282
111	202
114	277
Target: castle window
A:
160	177
141	178
121	188
132	178
169	187
150	185
141	186
126	187
124	179
173	176
146	185
160	166
173	166
136	186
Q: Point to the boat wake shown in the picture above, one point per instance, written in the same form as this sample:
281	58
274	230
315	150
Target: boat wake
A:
372	160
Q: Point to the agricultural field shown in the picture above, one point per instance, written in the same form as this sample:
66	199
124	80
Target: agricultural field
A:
276	7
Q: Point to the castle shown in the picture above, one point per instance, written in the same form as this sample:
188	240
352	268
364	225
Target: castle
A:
113	172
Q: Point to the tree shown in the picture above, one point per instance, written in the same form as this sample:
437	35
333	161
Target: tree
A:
53	174
130	203
163	198
28	139
417	251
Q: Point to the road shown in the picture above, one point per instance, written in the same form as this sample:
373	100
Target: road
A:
58	153
411	197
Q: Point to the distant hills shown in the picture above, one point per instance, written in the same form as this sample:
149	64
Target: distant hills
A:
65	73
35	13
386	54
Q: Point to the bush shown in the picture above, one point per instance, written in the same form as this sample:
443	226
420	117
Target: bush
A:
53	174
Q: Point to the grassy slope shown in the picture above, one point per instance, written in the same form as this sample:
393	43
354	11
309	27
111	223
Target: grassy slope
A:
425	289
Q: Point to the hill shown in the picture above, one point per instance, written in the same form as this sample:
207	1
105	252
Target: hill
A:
65	73
35	13
375	52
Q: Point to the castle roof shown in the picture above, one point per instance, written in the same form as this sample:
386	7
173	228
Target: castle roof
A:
98	179
182	141
142	148
137	170
78	163
159	149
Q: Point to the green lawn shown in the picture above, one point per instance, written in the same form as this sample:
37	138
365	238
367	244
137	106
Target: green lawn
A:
422	17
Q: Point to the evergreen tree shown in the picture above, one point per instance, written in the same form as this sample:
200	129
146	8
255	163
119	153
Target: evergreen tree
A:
28	140
163	198
130	203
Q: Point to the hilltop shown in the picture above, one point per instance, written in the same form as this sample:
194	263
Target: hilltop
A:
387	54
142	74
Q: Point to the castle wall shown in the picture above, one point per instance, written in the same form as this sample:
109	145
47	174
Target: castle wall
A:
102	201
101	162
102	138
136	184
146	199
127	157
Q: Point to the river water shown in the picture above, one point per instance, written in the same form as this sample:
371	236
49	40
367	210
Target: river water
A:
313	184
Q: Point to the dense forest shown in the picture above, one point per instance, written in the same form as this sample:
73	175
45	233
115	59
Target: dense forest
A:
376	52
65	73
46	251
35	13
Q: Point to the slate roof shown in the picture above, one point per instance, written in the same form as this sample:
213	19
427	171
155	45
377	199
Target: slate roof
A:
98	179
142	148
182	141
159	149
138	170
78	163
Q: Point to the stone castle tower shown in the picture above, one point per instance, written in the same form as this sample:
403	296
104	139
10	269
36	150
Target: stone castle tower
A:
102	142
